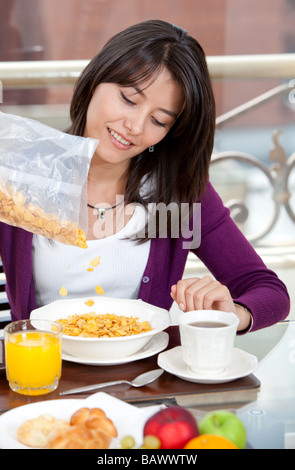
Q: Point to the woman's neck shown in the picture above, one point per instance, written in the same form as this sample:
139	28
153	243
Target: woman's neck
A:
106	187
105	181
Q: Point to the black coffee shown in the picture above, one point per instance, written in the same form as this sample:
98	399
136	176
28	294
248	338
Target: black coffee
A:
208	324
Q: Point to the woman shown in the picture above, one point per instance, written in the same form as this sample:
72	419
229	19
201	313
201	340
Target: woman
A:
147	98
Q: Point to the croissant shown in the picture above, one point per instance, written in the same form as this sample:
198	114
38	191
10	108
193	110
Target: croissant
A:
94	418
89	429
78	437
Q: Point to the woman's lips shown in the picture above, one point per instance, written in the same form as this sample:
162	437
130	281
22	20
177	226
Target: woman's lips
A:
119	141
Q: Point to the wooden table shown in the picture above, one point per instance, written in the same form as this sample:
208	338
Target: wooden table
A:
166	388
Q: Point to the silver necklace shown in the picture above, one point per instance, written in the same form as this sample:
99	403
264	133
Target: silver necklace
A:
101	210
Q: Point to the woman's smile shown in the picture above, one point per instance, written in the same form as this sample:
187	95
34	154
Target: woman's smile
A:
119	141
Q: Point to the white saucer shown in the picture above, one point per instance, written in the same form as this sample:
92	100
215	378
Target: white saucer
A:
154	346
242	364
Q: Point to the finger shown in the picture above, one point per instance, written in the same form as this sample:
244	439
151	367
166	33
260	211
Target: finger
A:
213	296
173	292
180	295
196	291
210	294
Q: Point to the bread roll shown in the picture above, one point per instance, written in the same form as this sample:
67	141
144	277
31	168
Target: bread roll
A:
34	432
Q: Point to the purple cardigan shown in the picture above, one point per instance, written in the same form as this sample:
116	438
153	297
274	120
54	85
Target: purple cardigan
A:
223	250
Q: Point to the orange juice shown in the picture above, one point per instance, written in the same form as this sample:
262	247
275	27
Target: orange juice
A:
33	361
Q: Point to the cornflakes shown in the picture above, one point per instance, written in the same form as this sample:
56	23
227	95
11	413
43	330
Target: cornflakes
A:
99	290
14	211
109	325
63	291
95	262
89	302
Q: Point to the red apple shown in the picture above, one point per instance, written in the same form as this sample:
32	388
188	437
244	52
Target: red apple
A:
174	426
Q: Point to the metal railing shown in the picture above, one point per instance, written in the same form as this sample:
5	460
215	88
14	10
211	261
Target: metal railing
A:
65	72
277	173
278	178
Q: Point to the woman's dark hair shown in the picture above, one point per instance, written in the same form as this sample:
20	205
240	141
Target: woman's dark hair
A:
179	165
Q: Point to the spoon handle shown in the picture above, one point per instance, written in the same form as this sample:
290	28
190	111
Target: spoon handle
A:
88	388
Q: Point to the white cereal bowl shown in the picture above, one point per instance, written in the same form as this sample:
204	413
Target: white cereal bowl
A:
105	348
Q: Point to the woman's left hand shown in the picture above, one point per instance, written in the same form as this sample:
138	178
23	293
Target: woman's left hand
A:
207	294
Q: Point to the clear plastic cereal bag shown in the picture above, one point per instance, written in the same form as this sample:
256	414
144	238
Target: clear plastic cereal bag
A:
43	179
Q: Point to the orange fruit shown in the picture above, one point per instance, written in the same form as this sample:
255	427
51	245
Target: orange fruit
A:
209	441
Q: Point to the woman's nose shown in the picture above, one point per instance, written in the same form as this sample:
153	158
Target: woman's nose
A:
134	122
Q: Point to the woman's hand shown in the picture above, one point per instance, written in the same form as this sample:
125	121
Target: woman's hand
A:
207	294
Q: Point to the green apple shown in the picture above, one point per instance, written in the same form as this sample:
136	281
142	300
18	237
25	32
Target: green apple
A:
224	423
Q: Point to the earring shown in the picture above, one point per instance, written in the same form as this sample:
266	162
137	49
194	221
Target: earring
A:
151	148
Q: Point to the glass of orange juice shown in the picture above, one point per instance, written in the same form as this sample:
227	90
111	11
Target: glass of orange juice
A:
33	356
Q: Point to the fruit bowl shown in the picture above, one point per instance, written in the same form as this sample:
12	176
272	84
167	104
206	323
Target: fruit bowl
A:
106	348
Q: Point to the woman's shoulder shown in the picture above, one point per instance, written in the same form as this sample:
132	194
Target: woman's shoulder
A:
212	206
210	195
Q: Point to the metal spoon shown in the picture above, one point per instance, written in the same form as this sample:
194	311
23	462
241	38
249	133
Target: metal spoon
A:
140	381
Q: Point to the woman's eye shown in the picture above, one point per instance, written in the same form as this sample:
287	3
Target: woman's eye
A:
158	123
124	97
131	103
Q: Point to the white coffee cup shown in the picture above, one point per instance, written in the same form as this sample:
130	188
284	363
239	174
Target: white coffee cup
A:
208	349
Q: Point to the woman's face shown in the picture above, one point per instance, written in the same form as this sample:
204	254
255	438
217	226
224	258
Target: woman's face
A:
128	120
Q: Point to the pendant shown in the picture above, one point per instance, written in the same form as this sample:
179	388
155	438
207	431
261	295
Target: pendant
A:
101	214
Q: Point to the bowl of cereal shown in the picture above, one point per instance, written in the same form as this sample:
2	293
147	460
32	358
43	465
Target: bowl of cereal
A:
104	328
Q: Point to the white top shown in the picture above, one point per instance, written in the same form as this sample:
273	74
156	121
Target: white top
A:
119	274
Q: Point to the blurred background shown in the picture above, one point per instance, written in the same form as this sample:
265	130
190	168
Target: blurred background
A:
34	30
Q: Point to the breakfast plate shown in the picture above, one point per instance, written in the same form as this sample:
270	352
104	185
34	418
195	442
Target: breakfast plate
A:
157	344
127	418
242	364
